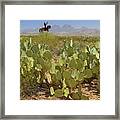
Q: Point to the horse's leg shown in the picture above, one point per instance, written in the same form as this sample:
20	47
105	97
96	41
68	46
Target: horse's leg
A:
41	30
47	29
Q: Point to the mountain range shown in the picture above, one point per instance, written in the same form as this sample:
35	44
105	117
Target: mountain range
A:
65	30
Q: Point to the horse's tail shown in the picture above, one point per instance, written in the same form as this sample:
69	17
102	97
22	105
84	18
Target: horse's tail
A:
40	30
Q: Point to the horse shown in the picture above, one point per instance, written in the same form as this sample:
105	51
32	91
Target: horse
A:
45	28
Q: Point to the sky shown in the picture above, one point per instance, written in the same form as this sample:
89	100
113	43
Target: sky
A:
27	24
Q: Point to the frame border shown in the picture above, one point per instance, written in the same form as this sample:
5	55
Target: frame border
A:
2	60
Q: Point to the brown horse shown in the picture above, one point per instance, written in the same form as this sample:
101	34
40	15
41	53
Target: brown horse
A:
45	28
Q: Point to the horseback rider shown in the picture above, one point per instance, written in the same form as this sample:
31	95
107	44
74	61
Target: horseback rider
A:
45	28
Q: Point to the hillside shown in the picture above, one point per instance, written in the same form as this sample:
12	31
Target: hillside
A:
65	30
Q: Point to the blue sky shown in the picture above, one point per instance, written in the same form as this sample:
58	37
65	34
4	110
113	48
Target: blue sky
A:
26	24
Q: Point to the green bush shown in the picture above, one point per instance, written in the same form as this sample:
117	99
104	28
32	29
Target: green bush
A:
63	72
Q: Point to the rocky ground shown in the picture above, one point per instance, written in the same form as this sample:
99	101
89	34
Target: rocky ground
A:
90	90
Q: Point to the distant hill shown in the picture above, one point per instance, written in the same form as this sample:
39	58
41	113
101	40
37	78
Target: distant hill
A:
65	30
